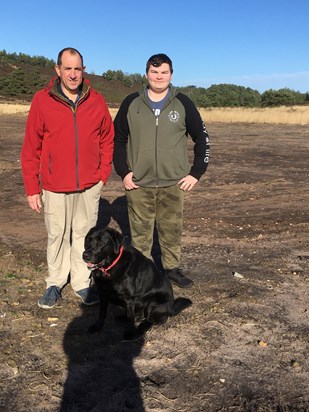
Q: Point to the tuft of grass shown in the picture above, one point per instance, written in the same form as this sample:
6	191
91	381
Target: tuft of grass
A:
10	275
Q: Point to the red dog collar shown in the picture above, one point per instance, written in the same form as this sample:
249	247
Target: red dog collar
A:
105	270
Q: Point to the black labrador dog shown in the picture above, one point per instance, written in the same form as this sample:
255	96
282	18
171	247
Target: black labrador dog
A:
127	278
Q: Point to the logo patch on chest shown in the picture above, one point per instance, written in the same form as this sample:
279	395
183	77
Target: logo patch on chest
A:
174	116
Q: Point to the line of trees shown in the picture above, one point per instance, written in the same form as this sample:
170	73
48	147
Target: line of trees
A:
14	81
224	95
18	83
21	58
229	95
126	79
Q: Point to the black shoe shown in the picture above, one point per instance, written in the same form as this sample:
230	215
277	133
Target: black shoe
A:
178	278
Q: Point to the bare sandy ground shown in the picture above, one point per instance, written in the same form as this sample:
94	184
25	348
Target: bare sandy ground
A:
243	346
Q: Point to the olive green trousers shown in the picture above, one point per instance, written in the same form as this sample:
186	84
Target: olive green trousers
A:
160	207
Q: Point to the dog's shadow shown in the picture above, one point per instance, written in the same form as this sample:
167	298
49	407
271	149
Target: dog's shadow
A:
101	376
118	211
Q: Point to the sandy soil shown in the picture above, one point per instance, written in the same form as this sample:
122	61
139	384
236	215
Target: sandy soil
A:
242	346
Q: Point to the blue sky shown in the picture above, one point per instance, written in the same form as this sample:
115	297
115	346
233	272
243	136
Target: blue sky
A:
253	43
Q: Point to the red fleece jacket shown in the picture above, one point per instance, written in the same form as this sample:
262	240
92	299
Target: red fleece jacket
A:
67	149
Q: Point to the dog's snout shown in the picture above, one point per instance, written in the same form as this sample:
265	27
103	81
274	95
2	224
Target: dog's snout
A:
86	255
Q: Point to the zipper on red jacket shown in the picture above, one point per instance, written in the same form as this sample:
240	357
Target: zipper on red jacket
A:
74	110
76	147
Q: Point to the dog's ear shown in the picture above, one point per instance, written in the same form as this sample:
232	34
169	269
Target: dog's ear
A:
117	238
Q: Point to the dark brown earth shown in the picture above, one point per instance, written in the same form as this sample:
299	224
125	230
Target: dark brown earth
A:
242	346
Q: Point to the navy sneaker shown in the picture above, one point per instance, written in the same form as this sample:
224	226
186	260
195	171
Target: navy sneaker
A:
178	278
50	297
89	296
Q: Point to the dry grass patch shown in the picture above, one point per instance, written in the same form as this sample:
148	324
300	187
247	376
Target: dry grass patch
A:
276	115
113	112
13	108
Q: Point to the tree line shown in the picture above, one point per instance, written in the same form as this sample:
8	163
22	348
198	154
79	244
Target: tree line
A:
230	95
17	82
224	95
22	58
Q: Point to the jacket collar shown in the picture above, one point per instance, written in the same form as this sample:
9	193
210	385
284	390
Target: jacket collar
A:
54	86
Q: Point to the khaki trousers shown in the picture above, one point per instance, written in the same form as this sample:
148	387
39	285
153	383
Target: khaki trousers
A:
68	218
163	207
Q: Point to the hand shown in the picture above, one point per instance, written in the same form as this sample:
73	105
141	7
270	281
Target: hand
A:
187	183
35	202
128	182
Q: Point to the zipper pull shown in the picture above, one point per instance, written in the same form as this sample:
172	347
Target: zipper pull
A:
157	114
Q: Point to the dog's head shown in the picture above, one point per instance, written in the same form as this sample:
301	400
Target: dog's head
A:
101	246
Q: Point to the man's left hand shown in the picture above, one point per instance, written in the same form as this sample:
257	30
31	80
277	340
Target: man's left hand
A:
187	183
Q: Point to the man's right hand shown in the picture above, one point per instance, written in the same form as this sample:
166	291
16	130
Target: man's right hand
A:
35	202
128	182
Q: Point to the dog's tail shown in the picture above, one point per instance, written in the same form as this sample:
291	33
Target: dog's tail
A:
179	305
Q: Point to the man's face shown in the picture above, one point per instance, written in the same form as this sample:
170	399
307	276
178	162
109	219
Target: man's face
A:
70	72
159	78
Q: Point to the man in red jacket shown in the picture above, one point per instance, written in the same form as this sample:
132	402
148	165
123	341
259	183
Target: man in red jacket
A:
66	159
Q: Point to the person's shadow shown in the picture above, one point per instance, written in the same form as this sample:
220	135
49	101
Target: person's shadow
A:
101	375
118	211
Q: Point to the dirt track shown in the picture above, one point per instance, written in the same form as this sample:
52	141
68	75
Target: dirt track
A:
242	346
